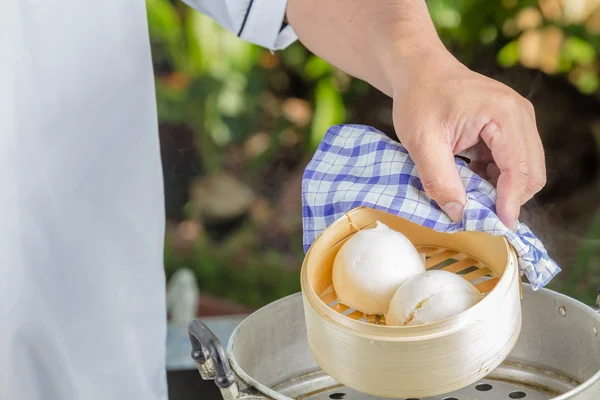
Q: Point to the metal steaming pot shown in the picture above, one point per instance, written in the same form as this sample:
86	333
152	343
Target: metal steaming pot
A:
557	356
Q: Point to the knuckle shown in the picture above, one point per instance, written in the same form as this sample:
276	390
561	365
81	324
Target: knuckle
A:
513	101
528	106
510	101
415	141
537	183
436	187
521	170
412	144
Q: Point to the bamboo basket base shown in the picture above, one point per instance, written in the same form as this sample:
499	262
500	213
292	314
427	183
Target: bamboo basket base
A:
437	258
361	352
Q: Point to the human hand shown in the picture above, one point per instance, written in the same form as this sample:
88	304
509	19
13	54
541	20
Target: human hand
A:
442	109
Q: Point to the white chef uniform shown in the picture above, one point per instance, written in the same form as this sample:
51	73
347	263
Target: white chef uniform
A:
82	313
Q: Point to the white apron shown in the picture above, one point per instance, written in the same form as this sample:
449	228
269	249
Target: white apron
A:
82	313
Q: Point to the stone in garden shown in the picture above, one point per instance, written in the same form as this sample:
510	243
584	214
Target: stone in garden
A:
221	197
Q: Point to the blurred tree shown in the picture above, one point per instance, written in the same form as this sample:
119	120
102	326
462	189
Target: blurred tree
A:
555	36
239	113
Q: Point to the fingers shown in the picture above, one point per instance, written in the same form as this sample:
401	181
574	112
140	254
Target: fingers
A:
519	169
510	152
508	204
537	167
439	175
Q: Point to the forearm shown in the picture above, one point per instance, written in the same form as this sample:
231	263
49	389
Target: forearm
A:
373	41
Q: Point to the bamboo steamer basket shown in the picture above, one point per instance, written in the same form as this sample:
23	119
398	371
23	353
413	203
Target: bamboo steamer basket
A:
361	352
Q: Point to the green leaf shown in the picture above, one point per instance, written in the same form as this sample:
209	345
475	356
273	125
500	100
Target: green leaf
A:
508	56
579	51
585	268
587	82
446	14
207	34
196	59
565	64
231	102
488	34
329	110
165	26
164	23
316	67
295	55
240	55
170	104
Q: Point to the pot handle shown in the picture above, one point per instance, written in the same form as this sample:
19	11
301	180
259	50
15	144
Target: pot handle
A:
210	356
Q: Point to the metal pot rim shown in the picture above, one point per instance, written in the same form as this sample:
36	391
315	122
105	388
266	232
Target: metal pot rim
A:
239	371
243	376
596	377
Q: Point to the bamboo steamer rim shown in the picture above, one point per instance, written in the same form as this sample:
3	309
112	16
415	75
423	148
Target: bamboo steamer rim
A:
422	360
415	332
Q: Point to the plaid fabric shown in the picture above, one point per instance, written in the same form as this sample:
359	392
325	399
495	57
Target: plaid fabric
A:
360	166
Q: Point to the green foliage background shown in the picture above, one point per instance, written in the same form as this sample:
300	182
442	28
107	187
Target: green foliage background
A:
226	92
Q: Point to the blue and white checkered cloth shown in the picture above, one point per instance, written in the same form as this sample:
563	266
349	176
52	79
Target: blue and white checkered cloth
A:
360	166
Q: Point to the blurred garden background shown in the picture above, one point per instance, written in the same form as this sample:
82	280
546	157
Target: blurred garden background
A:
238	125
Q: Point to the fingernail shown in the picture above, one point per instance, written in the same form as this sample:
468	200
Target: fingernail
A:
454	211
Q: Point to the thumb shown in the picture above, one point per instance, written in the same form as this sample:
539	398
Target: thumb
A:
440	178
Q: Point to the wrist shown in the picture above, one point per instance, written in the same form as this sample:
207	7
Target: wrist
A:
419	63
406	43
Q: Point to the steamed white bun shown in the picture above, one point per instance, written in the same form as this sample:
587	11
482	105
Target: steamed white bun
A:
430	297
371	265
